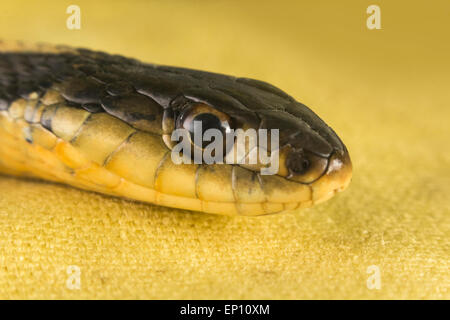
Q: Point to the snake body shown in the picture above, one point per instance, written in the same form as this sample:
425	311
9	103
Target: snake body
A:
103	123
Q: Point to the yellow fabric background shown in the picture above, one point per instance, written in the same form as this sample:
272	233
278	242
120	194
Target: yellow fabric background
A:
386	92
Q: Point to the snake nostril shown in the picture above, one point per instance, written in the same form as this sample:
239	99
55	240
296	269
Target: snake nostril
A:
305	165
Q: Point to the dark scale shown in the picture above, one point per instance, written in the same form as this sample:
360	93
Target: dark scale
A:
92	107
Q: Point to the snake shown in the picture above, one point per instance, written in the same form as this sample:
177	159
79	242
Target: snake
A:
103	123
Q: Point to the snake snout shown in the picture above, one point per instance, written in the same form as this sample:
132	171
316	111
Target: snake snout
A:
336	178
340	169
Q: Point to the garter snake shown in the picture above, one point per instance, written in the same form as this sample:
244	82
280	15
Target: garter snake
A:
103	123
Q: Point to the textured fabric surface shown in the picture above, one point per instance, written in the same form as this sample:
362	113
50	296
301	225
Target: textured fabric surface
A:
384	91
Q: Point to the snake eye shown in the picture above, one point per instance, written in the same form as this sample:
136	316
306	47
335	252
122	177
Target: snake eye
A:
199	118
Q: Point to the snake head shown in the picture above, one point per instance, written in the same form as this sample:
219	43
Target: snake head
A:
312	162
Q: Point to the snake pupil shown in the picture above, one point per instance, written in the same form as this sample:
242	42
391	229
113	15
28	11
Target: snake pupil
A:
207	121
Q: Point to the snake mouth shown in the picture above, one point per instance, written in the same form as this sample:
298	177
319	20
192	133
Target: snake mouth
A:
282	194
